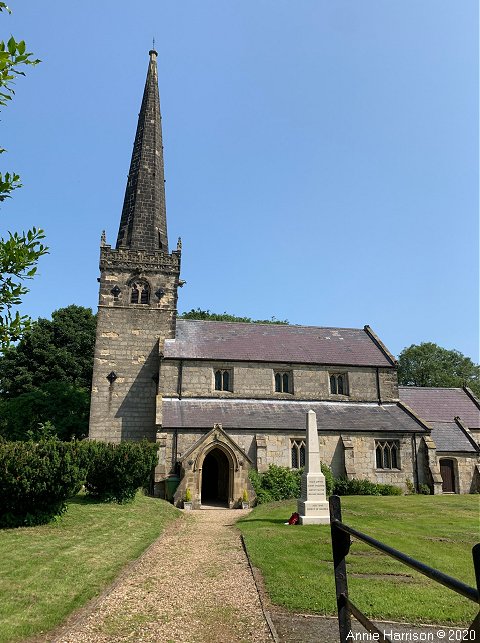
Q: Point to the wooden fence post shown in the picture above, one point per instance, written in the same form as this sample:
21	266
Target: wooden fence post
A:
475	626
340	546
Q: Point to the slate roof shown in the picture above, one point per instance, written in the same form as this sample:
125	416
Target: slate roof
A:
274	343
441	404
448	436
201	413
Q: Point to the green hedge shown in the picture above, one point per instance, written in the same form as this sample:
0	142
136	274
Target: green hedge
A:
116	471
355	487
36	478
282	483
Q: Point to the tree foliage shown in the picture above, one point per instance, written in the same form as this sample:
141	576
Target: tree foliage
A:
19	251
45	380
428	364
198	313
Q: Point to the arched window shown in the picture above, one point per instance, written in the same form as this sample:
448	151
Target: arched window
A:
387	463
339	384
223	379
394	453
283	382
278	383
333	384
134	294
297	450
145	294
387	454
139	293
302	455
294	456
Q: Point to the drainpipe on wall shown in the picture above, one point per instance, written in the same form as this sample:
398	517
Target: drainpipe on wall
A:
379	395
175	434
415	463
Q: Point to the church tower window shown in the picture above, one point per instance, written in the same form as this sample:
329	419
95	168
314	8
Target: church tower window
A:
139	293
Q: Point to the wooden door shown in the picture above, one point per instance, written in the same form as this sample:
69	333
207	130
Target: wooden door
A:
448	476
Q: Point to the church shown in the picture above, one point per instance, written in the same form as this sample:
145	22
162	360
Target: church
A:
221	398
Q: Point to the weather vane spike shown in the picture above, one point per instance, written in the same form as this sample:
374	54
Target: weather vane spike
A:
153	40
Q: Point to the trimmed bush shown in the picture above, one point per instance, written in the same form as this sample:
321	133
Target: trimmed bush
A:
355	487
116	471
36	478
282	483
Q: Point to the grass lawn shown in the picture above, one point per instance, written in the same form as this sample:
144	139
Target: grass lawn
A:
48	571
296	561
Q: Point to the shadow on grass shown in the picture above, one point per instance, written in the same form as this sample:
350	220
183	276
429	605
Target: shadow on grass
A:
277	521
84	499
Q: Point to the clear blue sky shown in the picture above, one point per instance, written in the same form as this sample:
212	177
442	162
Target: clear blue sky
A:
321	157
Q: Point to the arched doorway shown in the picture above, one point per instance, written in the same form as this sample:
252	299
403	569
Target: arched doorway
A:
215	478
447	471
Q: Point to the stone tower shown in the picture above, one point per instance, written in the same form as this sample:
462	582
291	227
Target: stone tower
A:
139	279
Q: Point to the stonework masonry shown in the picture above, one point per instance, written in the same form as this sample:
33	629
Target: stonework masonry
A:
128	342
256	381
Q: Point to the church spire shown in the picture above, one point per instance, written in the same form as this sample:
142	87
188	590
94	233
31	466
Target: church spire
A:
143	225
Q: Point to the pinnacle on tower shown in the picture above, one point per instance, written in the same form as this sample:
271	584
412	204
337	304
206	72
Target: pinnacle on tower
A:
143	225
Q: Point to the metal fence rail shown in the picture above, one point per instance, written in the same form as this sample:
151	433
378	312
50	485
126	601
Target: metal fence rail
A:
341	545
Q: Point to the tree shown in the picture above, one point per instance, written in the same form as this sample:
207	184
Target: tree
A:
60	350
431	365
198	313
45	380
55	409
19	251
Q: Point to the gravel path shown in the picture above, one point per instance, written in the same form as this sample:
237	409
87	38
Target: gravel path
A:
194	585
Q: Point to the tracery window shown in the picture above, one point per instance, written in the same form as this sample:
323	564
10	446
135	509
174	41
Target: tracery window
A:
283	382
139	293
338	384
297	450
387	454
223	379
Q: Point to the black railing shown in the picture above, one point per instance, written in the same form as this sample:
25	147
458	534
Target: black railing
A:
341	545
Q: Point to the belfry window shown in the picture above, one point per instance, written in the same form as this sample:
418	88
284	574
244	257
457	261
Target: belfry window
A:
283	382
139	293
223	380
387	454
339	384
297	450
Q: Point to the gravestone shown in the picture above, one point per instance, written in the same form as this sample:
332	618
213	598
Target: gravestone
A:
312	504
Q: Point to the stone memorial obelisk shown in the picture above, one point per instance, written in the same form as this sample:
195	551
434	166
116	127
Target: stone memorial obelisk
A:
312	504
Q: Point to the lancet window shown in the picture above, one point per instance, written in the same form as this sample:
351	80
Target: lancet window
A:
297	450
387	454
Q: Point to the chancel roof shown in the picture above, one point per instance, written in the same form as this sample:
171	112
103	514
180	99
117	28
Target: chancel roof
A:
448	436
274	343
201	413
441	404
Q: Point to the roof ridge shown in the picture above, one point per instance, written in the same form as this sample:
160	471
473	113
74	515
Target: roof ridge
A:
269	324
430	388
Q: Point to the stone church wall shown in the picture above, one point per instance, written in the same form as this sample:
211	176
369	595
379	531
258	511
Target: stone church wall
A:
127	345
271	447
256	381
